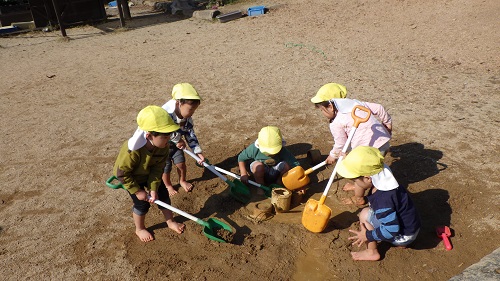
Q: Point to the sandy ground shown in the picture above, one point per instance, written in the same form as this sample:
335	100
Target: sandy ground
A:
66	107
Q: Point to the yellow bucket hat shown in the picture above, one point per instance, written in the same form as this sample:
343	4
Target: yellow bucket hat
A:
330	91
361	161
153	118
185	91
270	140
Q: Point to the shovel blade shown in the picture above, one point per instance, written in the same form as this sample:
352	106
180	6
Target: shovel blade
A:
295	178
315	216
440	230
210	229
240	191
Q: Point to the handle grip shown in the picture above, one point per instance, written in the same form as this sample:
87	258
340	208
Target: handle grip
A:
358	120
109	183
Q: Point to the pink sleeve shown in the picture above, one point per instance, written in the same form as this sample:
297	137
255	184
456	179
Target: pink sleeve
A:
337	128
379	111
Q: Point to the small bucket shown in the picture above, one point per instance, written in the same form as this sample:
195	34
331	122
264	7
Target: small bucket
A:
281	199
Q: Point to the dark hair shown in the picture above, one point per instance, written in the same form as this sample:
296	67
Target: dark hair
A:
191	102
323	104
159	134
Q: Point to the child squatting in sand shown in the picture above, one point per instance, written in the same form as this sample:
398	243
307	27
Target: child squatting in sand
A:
270	159
391	216
140	164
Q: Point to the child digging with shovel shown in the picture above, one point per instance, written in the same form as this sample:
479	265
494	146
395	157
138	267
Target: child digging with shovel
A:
391	216
139	166
185	100
376	132
270	159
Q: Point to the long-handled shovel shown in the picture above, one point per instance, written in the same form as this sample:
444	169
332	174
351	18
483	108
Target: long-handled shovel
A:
238	189
267	190
210	227
316	214
297	178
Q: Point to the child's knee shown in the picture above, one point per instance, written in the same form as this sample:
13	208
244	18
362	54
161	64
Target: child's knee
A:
258	168
364	215
140	210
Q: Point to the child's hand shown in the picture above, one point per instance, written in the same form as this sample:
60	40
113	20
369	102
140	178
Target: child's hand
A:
181	144
142	195
153	196
330	160
244	178
389	129
360	236
202	158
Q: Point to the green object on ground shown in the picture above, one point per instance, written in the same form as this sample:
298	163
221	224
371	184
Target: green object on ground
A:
210	227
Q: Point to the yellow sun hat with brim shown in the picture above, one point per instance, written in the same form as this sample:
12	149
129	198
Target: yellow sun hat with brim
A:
153	118
330	91
361	161
270	141
185	91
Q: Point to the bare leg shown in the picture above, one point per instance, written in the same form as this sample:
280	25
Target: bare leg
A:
258	173
168	183
371	253
140	228
171	223
359	195
181	171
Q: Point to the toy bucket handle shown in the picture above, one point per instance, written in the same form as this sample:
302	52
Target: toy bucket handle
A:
358	120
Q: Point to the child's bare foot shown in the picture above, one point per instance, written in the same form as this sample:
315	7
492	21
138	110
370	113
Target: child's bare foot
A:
175	226
144	235
186	185
348	187
171	191
366	255
358	201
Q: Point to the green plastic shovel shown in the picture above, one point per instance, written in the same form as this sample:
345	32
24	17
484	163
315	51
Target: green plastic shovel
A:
267	190
210	227
238	189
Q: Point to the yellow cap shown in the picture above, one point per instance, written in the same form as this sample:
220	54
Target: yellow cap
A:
330	91
185	91
361	161
270	141
153	118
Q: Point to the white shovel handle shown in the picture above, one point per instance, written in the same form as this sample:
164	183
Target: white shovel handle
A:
174	209
210	167
319	165
235	176
357	121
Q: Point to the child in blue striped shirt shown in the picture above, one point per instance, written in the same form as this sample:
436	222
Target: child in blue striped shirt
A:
391	215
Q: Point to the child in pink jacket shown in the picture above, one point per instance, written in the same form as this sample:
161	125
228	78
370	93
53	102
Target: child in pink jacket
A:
376	132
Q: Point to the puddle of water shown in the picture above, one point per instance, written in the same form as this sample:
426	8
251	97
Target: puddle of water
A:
310	266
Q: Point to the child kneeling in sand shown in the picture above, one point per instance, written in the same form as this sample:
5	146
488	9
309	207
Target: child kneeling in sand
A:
139	166
391	216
